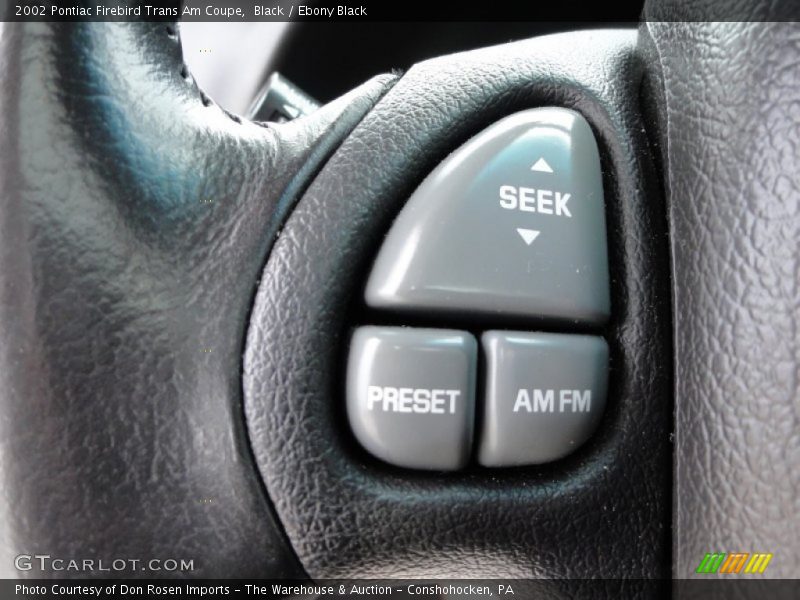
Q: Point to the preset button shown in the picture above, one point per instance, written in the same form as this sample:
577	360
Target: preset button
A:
411	395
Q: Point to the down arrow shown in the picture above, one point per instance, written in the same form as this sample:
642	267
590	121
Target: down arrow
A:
527	235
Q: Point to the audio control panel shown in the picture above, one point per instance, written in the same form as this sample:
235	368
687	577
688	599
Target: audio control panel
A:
510	225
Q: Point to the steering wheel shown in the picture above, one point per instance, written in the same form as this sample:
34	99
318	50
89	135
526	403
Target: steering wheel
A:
178	285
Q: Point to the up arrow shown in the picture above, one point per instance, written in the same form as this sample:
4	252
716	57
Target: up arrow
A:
542	166
527	235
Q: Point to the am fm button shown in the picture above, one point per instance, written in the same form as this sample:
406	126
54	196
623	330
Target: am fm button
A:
545	394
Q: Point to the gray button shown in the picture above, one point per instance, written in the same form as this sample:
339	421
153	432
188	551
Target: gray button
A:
545	394
411	395
512	222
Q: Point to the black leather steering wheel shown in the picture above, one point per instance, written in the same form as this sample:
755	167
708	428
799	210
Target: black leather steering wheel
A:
177	285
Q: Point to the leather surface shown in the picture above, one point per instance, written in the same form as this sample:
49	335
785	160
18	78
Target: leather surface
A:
603	511
728	117
136	218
